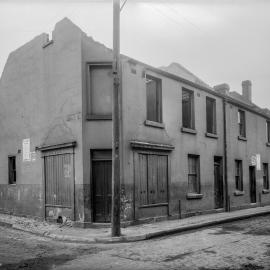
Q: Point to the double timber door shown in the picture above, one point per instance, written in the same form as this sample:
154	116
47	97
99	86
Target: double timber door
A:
102	185
59	183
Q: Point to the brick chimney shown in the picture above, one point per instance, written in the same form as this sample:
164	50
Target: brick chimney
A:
246	90
223	88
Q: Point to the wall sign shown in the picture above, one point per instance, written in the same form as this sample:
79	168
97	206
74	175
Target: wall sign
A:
26	149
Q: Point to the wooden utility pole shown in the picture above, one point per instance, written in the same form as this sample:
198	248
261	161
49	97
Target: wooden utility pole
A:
116	230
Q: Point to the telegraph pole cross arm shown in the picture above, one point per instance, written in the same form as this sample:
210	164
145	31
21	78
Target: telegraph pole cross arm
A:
115	216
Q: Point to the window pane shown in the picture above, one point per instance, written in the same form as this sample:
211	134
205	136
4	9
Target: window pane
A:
153	96
193	174
210	116
187	109
242	124
101	88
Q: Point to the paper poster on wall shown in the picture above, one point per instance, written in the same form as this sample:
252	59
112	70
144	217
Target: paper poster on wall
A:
26	149
67	170
33	156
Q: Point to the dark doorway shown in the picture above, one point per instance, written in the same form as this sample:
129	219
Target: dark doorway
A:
218	185
252	184
102	185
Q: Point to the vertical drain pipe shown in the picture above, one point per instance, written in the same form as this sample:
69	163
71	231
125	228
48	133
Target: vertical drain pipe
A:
227	205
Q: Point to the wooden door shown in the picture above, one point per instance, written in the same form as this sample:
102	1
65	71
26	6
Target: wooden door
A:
252	184
218	185
59	182
102	189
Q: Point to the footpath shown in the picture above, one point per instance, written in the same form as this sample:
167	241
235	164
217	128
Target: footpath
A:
65	231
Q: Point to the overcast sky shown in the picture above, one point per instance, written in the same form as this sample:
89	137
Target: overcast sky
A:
218	40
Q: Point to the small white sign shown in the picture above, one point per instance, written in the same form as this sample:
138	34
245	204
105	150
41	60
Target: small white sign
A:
26	149
258	162
67	170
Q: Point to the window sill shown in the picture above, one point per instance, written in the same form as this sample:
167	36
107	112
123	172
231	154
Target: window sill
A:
268	144
14	184
194	196
240	138
239	193
211	135
188	130
94	117
265	191
154	124
153	205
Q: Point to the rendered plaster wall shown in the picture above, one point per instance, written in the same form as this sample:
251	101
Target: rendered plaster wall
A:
134	115
40	95
244	150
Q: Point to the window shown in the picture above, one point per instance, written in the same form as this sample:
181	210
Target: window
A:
268	131
12	170
154	99
242	123
188	109
193	174
238	175
101	90
265	176
210	115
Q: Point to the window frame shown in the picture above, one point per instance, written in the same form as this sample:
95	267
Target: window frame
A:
12	176
213	128
265	176
239	186
159	112
241	119
191	120
90	114
197	174
268	131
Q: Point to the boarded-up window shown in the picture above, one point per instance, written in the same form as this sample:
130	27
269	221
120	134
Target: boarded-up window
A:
101	89
268	131
238	175
12	170
242	123
210	115
265	176
154	99
152	178
193	174
188	109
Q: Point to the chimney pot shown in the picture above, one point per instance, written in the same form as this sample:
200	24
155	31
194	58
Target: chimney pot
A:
247	90
223	88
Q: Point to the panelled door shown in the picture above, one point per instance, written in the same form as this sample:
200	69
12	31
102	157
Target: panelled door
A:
252	184
218	185
102	185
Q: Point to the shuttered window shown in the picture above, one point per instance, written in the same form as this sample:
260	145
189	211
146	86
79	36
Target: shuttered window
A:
193	174
154	99
187	109
152	178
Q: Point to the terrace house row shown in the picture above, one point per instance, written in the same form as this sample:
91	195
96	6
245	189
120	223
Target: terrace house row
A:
187	148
